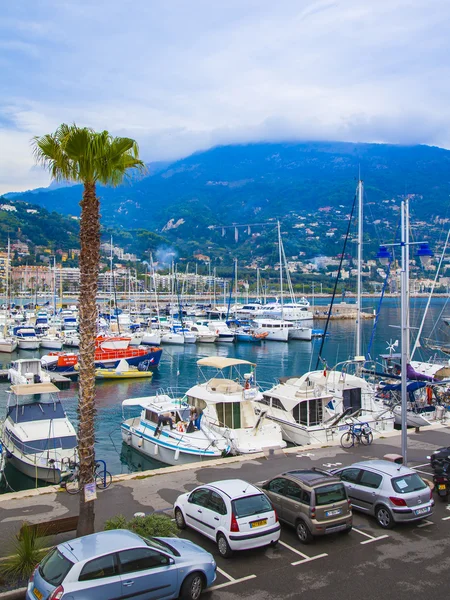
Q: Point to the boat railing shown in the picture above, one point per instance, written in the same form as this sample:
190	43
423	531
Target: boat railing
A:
51	457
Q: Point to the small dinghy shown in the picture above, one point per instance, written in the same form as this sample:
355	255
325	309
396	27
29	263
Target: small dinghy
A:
124	371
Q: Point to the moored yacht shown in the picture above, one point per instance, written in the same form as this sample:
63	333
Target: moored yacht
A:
39	439
318	406
27	371
226	405
26	338
172	442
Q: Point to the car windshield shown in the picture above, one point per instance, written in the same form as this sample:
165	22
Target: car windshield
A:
251	505
160	545
408	483
327	494
55	567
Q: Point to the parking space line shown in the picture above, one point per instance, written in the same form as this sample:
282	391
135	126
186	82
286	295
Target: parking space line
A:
225	574
445	518
371	537
425	523
293	549
309	559
424	465
375	539
222	585
424	472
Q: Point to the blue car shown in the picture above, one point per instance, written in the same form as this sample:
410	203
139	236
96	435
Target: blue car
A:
120	564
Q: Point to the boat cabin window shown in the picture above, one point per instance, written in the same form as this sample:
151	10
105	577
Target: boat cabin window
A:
352	398
229	414
274	402
309	412
151	416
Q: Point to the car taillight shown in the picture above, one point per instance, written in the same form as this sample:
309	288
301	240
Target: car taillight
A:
234	523
312	512
57	593
32	574
397	501
431	493
276	516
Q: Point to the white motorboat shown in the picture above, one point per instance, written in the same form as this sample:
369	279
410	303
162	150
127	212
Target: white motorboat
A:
179	444
39	439
227	407
276	329
8	344
288	311
146	338
51	341
26	338
250	311
222	331
170	337
27	371
299	332
71	339
203	334
318	406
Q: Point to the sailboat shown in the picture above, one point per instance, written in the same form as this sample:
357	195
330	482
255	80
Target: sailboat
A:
7	343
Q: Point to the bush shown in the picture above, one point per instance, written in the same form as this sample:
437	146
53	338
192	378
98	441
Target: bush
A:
26	552
154	525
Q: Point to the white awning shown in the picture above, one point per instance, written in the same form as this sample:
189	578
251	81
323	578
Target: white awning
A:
221	362
24	389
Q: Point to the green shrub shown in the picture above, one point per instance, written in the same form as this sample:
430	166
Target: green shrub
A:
156	524
27	550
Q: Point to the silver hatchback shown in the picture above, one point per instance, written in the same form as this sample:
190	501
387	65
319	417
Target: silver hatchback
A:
391	493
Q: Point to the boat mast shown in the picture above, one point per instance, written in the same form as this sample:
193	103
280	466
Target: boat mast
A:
8	304
281	267
235	283
54	284
360	243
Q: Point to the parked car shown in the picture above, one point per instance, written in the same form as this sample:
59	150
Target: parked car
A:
233	513
390	492
121	564
312	501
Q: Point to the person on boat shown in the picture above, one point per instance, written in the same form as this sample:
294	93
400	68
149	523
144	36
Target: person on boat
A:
192	418
164	419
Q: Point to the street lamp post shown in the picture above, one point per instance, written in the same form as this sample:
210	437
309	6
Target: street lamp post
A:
424	253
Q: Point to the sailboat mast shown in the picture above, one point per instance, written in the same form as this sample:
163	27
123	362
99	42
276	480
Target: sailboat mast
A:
281	266
235	282
359	280
7	278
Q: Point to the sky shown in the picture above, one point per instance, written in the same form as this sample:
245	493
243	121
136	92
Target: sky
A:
185	75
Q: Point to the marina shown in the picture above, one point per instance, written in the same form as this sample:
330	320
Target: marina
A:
178	370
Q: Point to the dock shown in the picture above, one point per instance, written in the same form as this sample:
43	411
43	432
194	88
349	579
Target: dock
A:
62	382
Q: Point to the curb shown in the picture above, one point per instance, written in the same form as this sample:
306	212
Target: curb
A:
18	594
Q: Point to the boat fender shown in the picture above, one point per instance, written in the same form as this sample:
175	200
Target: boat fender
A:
156	450
140	442
177	454
180	427
217	332
129	438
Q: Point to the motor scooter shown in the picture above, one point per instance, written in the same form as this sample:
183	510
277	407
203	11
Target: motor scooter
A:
441	479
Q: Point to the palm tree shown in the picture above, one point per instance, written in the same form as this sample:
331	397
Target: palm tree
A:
85	156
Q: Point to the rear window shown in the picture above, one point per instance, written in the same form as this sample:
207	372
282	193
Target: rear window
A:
55	567
251	505
408	483
160	545
327	494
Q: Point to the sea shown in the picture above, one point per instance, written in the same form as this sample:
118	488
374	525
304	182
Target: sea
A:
178	371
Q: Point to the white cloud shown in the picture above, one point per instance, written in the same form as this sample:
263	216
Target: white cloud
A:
184	76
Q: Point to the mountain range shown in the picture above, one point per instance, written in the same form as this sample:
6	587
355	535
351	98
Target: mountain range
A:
309	186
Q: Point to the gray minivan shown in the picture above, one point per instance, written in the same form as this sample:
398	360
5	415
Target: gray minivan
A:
312	501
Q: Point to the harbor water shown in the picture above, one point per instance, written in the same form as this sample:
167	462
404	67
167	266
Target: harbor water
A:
178	370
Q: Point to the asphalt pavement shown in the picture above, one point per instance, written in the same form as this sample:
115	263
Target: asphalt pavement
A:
408	562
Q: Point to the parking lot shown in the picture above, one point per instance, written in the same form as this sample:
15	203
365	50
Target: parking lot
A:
407	562
403	562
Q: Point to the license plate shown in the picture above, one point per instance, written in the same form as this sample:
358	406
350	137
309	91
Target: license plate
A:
37	594
258	523
331	513
422	511
442	486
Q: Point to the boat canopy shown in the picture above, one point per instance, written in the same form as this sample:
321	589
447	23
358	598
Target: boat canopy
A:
25	389
221	362
160	403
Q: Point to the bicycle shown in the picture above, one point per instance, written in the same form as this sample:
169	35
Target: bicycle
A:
103	478
359	433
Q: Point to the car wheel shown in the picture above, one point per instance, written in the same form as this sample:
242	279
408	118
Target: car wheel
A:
223	546
179	519
192	587
303	532
384	517
348	529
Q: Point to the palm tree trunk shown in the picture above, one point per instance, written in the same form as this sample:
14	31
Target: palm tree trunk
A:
89	267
